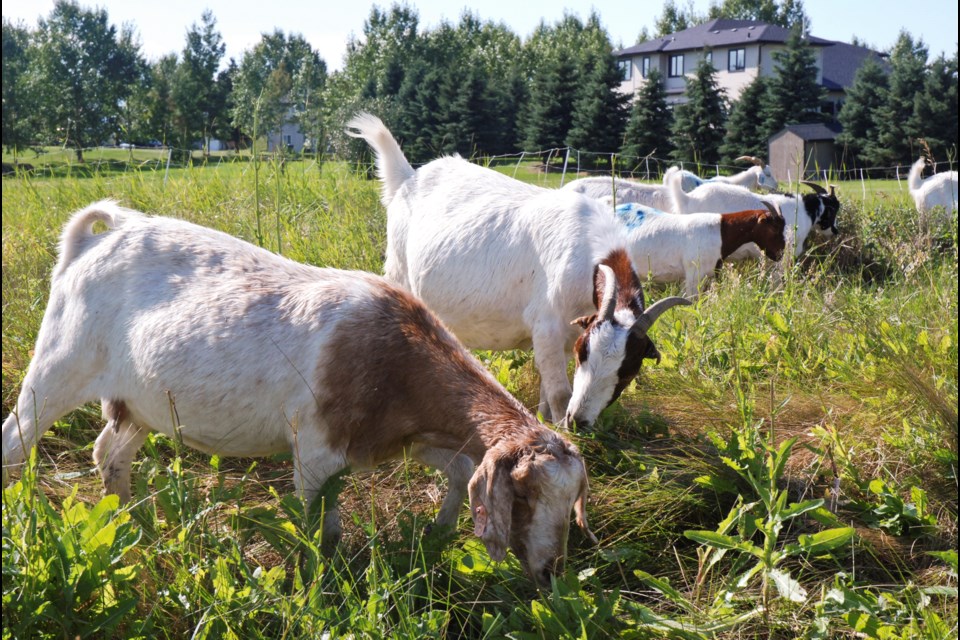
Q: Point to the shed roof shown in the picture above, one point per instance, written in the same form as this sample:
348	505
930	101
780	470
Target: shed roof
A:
813	132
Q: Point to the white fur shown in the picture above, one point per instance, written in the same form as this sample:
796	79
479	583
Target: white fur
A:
756	177
230	349
718	197
939	190
505	264
625	191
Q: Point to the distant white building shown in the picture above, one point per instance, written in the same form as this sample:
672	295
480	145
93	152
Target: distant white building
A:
740	50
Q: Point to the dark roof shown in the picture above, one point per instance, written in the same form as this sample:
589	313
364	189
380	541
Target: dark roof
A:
721	32
812	132
841	61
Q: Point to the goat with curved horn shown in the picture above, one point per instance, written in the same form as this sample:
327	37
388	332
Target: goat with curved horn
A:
652	314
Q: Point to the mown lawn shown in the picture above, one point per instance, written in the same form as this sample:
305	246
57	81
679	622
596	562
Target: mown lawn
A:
787	470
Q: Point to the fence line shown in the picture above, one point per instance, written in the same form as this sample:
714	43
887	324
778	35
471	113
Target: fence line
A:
587	162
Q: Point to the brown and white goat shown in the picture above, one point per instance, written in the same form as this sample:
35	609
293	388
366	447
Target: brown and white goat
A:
256	354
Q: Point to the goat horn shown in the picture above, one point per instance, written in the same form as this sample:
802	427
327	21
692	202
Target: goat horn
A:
609	302
648	317
774	209
820	191
755	160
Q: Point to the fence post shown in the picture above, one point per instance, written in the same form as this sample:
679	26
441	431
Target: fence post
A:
167	172
516	168
566	159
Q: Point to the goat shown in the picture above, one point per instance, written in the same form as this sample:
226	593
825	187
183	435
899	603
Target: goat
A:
669	247
160	318
812	211
939	190
507	265
625	191
759	176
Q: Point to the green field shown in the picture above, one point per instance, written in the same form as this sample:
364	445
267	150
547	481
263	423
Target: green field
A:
789	469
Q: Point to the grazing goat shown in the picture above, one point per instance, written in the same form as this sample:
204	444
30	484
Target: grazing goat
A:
939	190
255	354
625	191
759	176
507	265
669	247
812	211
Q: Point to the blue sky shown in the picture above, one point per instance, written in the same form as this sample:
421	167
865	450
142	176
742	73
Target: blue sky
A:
327	26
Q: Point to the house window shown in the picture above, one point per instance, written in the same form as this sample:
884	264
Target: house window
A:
626	69
676	66
645	69
737	60
708	56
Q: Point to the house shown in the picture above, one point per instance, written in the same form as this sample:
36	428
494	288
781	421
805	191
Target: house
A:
740	50
804	150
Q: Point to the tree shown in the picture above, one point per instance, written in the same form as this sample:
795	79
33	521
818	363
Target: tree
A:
600	109
194	95
861	112
795	94
935	108
83	72
263	94
699	123
788	13
675	19
895	118
648	128
549	114
18	110
746	133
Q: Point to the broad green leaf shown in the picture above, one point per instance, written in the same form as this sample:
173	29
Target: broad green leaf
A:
826	540
798	508
721	541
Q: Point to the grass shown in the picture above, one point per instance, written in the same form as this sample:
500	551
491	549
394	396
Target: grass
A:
787	470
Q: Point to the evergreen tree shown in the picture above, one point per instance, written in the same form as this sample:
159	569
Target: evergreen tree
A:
746	132
788	13
699	123
860	113
648	129
794	95
895	118
935	109
550	106
599	112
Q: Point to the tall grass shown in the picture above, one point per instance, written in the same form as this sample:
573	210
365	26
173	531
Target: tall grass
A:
786	405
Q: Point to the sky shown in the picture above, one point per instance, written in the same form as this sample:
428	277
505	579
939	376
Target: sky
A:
327	26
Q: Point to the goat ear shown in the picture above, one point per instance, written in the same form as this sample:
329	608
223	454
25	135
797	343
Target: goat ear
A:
491	503
584	321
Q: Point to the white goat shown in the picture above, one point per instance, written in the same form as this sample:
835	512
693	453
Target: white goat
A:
759	176
256	354
812	211
625	191
508	265
939	190
669	248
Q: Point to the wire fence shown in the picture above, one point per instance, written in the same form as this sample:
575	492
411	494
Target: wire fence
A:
569	162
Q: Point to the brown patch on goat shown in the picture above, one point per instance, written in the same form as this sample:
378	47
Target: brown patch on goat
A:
629	290
373	414
752	225
116	412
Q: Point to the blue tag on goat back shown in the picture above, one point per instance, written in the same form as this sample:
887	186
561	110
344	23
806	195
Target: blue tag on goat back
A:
633	215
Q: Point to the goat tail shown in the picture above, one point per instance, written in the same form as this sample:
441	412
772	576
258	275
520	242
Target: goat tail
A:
915	179
677	194
392	166
79	229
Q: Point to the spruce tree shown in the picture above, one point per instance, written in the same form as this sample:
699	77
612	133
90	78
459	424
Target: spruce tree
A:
648	128
794	95
935	109
699	123
550	106
746	133
860	113
599	111
895	118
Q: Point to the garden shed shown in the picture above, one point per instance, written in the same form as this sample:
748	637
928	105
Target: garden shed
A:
805	150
